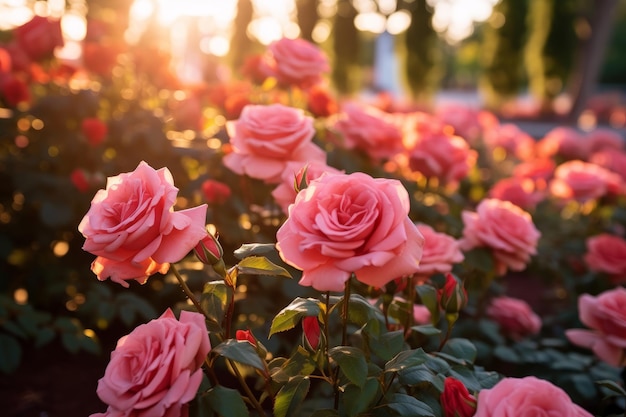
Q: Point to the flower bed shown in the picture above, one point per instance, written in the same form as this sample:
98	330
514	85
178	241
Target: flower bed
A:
275	250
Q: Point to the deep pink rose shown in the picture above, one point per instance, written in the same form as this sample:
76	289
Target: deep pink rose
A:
605	314
266	138
526	397
563	141
155	370
39	37
512	139
368	129
515	317
285	193
607	253
604	139
133	230
297	62
445	157
519	191
504	228
583	181
611	159
440	252
343	224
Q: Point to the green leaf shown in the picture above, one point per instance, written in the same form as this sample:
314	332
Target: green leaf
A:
357	400
613	386
461	348
44	336
426	330
291	315
387	345
407	406
360	310
479	258
415	375
300	363
254	249
260	265
214	299
428	295
290	397
13	328
406	359
352	363
227	402
10	353
241	352
507	354
466	376
70	342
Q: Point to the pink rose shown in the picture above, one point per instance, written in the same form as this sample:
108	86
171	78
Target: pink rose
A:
465	120
611	159
504	228
285	193
583	181
442	156
519	191
605	314
297	62
604	139
539	170
155	370
515	317
512	139
562	141
368	129
39	37
132	229
440	252
343	224
607	253
512	397
266	138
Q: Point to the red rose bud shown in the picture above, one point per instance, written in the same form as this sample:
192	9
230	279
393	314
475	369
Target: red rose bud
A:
453	296
215	192
208	250
80	180
246	335
456	400
311	328
95	130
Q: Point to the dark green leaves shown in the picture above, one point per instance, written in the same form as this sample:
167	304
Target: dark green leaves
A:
290	397
291	315
241	352
352	363
260	265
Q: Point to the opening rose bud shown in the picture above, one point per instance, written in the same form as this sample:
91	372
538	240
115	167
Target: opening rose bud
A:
456	400
246	335
208	250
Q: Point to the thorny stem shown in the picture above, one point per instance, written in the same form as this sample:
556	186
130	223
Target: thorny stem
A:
246	388
344	334
188	291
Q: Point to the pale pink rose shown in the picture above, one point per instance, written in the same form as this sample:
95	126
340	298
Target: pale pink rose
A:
607	253
563	141
440	252
132	229
504	228
605	139
512	139
583	181
368	129
519	191
442	156
266	138
611	159
343	224
155	370
297	62
515	317
605	314
465	120
529	396
285	193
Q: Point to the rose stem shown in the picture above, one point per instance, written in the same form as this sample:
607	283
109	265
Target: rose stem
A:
188	291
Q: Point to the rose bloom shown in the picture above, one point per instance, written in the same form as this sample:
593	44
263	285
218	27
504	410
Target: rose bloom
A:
526	397
512	139
442	156
465	120
607	253
515	317
456	400
605	314
611	159
504	228
368	129
344	224
156	369
604	139
440	252
583	181
519	191
285	193
297	62
537	170
132	229
266	138
562	141
39	37
320	102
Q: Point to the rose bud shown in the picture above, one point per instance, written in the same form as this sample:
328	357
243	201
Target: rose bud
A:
456	400
80	180
311	328
453	296
246	335
208	250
